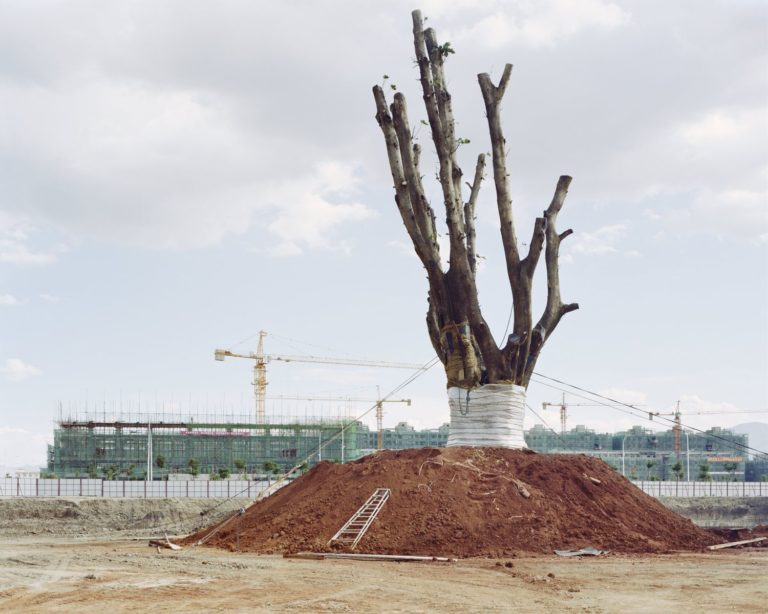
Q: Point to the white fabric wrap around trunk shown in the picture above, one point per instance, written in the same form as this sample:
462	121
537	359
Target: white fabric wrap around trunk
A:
492	415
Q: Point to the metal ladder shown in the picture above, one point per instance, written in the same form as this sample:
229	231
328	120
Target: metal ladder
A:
354	529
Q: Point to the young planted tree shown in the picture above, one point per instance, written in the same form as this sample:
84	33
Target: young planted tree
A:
486	383
704	474
731	469
677	470
650	465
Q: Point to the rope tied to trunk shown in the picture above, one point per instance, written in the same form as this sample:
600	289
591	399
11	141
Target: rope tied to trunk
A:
461	365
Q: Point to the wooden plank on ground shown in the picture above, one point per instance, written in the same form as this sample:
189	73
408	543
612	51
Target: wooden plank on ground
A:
161	543
732	544
366	557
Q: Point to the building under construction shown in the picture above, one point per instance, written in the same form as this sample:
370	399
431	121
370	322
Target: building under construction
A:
157	447
642	454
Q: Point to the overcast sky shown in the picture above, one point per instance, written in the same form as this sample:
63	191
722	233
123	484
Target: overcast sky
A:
175	176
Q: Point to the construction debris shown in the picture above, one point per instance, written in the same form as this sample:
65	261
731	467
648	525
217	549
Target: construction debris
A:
583	552
521	488
164	543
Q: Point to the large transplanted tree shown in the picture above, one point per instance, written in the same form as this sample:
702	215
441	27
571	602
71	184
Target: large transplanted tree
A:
486	383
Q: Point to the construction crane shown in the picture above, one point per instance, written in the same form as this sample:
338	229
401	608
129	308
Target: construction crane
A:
677	427
379	409
563	407
260	368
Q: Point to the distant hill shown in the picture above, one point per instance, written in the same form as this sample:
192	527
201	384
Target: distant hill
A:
757	433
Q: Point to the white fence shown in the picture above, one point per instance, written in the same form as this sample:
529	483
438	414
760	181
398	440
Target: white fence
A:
38	487
704	489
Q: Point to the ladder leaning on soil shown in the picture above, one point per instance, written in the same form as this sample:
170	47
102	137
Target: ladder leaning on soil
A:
354	529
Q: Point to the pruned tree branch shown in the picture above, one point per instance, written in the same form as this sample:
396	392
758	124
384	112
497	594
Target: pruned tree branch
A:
457	329
402	195
492	96
444	105
469	213
535	246
554	309
422	211
437	102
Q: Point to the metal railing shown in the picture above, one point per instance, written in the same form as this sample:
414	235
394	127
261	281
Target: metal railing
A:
84	487
704	489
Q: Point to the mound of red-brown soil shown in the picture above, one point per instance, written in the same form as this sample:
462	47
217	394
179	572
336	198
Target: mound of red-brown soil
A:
464	502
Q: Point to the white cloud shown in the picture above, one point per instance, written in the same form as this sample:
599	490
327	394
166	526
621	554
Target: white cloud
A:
10	300
148	134
692	403
701	413
22	448
128	163
730	213
338	377
544	23
402	246
600	242
722	126
50	298
709	172
626	395
15	243
167	168
17	370
307	213
12	252
652	215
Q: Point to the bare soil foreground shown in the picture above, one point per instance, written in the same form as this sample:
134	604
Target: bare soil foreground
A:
91	517
76	575
500	514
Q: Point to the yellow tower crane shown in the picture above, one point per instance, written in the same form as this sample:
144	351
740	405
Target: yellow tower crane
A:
260	370
563	407
379	409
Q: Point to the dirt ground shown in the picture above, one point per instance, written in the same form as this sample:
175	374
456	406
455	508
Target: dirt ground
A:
49	574
92	555
97	517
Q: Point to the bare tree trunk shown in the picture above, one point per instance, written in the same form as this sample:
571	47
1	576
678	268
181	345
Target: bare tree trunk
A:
458	332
